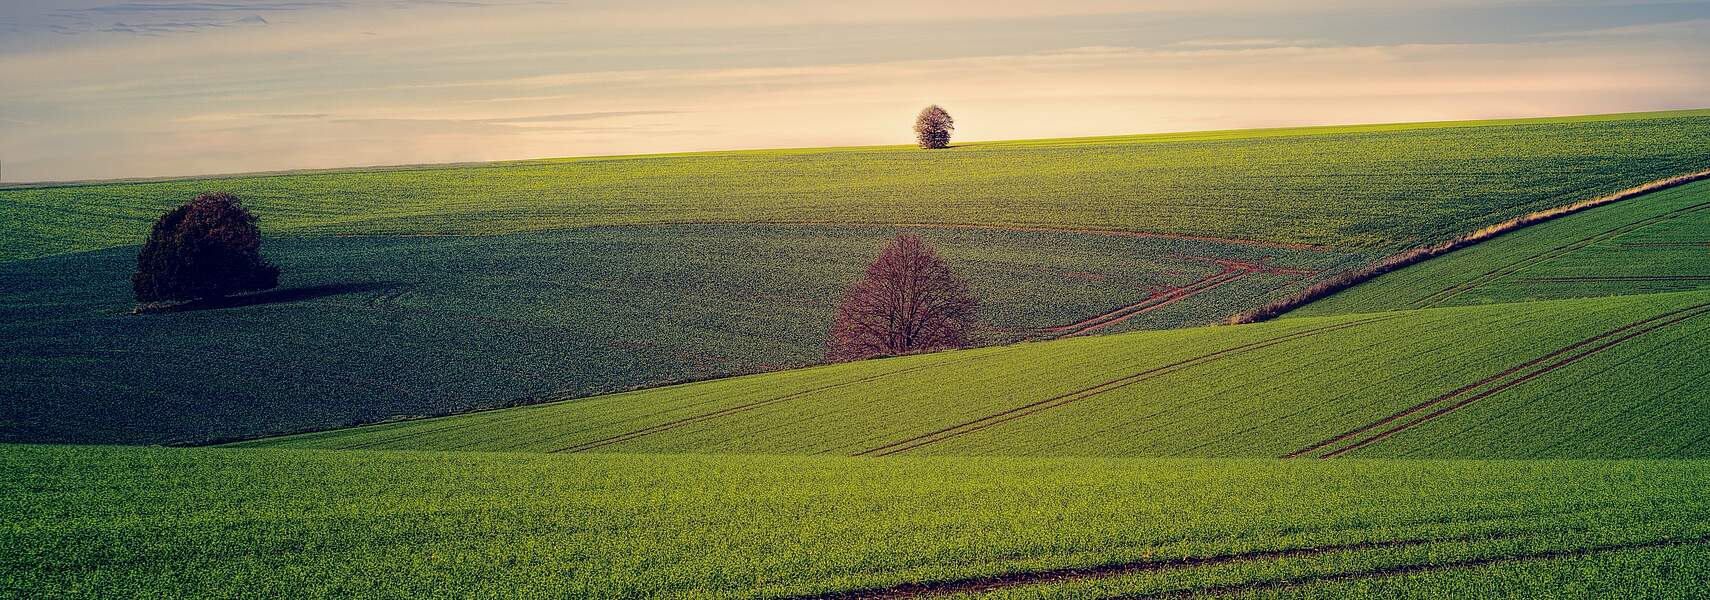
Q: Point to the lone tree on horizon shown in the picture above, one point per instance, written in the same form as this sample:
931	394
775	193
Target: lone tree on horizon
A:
207	248
932	128
908	302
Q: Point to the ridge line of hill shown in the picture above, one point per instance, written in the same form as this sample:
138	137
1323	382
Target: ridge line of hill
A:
1157	136
1355	277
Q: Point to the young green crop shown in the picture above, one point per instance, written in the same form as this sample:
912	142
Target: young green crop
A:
1371	188
1658	242
193	523
1244	391
370	328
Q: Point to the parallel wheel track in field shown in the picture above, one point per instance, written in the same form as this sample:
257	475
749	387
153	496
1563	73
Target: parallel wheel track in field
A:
1231	271
1024	410
1498	273
990	583
725	412
1428	567
1428	410
1615	278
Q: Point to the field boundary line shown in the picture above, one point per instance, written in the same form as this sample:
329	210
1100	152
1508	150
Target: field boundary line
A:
1030	408
1410	257
724	412
1531	368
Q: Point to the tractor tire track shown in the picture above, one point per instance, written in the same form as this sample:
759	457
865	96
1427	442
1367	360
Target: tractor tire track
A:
1468	563
993	583
1018	412
987	583
1231	271
1498	273
724	412
1536	367
1614	278
1166	296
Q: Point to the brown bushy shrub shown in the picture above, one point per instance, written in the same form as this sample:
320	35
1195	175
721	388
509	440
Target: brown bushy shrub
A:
932	127
207	248
908	302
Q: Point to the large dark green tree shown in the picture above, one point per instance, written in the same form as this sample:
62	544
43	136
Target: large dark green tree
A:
207	248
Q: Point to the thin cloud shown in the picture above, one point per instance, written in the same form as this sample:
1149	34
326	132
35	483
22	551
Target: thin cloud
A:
586	116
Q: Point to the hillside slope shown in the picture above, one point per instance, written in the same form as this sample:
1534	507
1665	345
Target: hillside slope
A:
370	328
1321	185
535	292
1658	242
1557	379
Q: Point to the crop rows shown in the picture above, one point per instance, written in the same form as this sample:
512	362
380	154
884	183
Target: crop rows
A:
107	521
1262	390
1317	186
369	328
1653	243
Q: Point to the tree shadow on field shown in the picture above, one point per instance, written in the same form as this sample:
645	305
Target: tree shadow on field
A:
281	296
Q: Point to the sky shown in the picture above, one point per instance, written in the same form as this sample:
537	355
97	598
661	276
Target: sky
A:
93	89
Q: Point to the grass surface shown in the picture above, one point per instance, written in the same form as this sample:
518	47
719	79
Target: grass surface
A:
368	328
1375	188
139	522
1561	379
1658	242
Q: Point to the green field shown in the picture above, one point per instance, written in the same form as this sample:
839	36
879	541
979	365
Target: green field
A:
1262	390
369	328
137	522
1658	242
432	290
1521	418
1379	188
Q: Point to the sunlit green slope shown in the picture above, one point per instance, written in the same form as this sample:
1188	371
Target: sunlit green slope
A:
1608	377
1657	242
103	522
1362	187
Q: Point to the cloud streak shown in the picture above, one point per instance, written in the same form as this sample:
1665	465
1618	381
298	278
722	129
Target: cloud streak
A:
330	83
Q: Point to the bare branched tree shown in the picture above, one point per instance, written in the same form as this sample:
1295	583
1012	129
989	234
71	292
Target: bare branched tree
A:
932	128
909	302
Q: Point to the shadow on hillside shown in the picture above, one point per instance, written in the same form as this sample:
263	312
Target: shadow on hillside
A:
296	294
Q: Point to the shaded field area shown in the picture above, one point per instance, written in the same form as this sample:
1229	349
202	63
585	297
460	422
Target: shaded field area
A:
1371	188
104	521
1583	378
1659	242
368	328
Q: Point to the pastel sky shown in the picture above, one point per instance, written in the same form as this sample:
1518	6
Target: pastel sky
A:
137	88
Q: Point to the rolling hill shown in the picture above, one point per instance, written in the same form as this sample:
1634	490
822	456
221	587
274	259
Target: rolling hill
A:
1300	457
1658	242
435	290
1496	374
